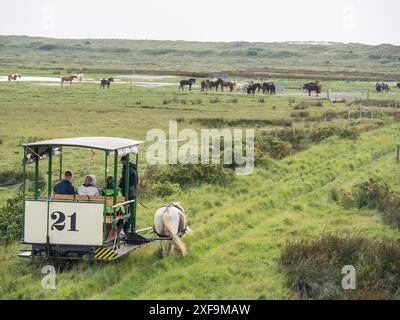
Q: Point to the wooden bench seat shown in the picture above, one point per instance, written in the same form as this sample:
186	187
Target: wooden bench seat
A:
110	199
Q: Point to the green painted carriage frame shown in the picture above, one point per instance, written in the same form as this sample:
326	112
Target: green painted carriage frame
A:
110	146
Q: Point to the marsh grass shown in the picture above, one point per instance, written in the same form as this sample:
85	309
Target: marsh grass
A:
314	267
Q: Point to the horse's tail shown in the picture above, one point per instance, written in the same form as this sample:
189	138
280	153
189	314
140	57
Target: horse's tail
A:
176	240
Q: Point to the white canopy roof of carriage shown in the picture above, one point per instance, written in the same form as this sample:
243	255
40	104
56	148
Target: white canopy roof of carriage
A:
123	146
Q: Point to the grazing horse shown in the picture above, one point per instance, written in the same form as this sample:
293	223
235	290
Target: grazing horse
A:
106	83
253	87
215	83
68	79
269	88
243	86
184	83
398	85
312	86
227	84
171	221
205	85
80	77
14	77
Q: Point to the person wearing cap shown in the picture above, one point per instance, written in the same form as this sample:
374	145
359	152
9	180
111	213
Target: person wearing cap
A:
65	186
133	179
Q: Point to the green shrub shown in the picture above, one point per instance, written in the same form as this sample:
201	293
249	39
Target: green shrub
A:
234	100
371	194
11	220
262	159
314	267
300	114
321	133
347	132
300	107
165	189
195	174
215	100
391	213
275	147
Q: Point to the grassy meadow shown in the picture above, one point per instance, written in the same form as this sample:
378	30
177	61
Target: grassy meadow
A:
239	230
354	61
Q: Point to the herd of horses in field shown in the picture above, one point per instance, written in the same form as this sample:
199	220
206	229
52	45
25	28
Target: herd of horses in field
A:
249	87
382	87
14	77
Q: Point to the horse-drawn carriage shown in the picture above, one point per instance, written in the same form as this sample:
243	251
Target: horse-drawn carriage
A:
71	226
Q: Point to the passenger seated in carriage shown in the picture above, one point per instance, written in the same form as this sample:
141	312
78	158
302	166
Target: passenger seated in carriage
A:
65	187
88	188
109	188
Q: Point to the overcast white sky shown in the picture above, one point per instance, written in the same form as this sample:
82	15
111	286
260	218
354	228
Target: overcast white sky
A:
366	21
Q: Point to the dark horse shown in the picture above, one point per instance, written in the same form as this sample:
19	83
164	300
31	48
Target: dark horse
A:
106	83
312	86
215	84
269	88
227	84
68	79
189	83
398	85
253	87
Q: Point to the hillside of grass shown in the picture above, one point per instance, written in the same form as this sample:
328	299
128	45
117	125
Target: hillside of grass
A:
312	60
239	231
313	148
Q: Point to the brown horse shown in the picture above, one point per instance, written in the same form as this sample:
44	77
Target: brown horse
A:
205	85
106	83
312	86
215	83
227	84
13	77
68	79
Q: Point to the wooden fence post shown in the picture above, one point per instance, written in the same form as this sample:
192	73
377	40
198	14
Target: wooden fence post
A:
398	153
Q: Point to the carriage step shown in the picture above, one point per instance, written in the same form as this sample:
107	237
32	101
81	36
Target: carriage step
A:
104	254
107	254
27	254
134	239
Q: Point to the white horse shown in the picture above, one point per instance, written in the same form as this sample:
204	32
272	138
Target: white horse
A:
80	77
171	221
242	86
